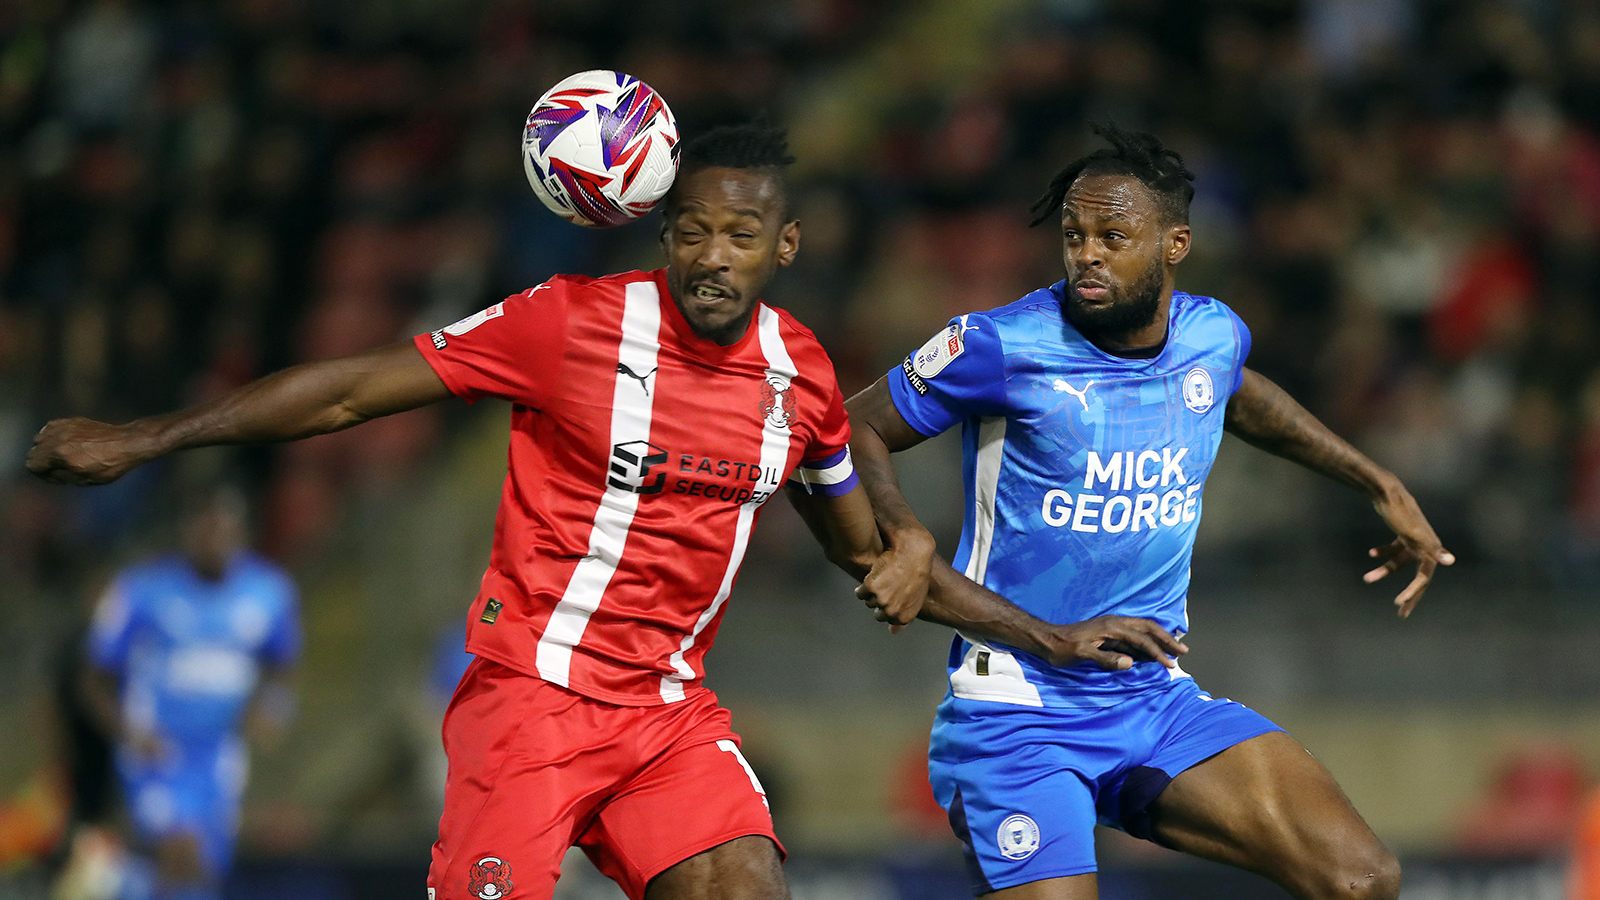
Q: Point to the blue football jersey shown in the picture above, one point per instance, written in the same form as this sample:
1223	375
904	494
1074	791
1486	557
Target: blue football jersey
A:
1084	475
188	651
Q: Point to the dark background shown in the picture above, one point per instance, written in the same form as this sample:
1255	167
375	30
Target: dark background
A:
1400	197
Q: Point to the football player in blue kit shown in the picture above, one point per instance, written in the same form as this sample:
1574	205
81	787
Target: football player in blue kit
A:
187	651
1091	412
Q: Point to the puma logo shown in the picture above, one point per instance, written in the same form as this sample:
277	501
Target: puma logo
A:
1063	386
622	369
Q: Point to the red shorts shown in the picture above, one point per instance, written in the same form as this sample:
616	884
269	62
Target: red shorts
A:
536	769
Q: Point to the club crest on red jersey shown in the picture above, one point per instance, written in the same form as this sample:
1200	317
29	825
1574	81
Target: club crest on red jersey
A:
777	401
491	878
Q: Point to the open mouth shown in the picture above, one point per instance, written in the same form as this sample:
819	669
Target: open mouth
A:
709	292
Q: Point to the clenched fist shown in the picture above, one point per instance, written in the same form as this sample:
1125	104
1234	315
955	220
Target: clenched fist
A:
83	451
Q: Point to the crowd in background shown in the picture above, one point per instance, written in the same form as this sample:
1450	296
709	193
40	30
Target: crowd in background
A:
1401	198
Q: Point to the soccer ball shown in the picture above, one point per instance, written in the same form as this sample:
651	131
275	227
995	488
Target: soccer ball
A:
600	148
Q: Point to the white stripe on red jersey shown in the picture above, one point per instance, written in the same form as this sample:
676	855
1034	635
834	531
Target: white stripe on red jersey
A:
775	439
630	424
640	457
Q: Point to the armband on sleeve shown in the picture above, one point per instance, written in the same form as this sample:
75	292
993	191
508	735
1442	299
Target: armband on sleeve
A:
832	476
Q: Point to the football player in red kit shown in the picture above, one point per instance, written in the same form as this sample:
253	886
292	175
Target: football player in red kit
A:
653	413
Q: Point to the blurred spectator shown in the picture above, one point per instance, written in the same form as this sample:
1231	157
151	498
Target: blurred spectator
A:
1585	875
1531	809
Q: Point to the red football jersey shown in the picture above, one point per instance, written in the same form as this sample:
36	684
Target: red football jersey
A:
640	457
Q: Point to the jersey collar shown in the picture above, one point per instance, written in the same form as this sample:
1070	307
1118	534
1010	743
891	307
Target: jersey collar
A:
1138	358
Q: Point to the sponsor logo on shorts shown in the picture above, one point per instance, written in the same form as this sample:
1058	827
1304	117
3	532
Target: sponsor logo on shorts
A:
1018	837
491	611
491	879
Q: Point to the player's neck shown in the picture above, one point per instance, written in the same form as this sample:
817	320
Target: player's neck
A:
725	336
1134	344
728	335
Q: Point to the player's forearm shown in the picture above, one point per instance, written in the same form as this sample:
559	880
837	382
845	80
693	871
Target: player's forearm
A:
315	398
842	526
895	518
272	706
98	691
1264	415
957	601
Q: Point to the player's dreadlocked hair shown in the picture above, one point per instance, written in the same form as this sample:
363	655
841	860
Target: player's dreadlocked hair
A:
1137	154
751	145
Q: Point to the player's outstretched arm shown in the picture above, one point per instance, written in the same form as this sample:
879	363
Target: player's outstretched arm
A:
845	528
309	399
1114	642
1263	414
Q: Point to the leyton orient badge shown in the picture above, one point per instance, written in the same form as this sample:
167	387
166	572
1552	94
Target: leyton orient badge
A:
491	878
777	401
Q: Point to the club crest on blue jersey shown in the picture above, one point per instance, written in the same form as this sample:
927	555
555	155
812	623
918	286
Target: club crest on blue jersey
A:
1018	837
1198	394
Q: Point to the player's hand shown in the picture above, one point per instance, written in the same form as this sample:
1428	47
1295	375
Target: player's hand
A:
263	731
83	451
897	585
148	746
1414	542
1115	642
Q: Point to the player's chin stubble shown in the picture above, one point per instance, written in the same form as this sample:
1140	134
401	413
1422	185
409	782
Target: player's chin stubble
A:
1135	310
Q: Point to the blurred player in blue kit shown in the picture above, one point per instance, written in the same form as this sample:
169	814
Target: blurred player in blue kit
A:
189	651
1091	412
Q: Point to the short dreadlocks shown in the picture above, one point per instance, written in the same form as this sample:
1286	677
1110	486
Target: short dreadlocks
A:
1137	154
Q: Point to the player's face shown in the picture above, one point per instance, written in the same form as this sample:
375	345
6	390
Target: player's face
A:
1119	252
213	534
725	237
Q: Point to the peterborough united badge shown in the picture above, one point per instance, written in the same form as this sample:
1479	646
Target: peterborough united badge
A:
777	401
491	878
1198	394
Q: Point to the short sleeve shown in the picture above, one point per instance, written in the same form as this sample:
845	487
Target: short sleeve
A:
511	350
957	374
1242	334
282	646
825	467
111	631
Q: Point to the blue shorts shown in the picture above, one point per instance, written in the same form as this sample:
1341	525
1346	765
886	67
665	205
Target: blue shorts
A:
195	790
1024	786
